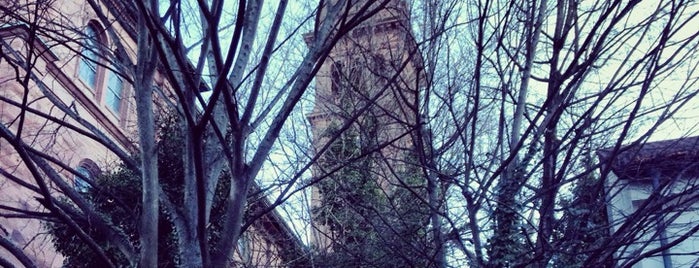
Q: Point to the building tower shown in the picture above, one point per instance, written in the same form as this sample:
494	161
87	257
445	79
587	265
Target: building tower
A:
362	124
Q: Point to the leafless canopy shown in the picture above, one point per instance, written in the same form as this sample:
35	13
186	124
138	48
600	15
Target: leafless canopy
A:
510	102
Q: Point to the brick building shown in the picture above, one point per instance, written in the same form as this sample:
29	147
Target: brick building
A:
77	95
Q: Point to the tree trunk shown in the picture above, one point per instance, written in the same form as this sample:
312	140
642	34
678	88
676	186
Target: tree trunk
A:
143	86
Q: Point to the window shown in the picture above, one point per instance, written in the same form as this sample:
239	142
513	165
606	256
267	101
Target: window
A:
108	87
345	78
335	77
87	69
86	171
379	69
244	249
81	185
354	75
115	88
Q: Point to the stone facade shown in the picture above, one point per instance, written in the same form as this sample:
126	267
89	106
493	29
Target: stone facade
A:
64	82
55	79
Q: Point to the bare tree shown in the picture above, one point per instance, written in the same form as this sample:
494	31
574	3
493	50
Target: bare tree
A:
197	47
506	104
520	93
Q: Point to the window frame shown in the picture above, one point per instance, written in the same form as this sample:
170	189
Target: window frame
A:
103	89
114	92
82	185
89	60
88	169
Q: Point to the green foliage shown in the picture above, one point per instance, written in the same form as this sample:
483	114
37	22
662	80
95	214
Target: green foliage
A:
117	198
374	221
584	223
76	252
508	245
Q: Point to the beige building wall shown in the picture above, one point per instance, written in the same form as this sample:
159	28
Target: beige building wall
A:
57	75
55	79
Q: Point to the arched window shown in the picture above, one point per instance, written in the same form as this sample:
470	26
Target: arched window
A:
88	68
86	171
336	77
80	183
106	85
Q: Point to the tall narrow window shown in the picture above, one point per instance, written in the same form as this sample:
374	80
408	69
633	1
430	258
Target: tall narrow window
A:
81	184
244	249
88	62
379	68
355	81
335	77
115	88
